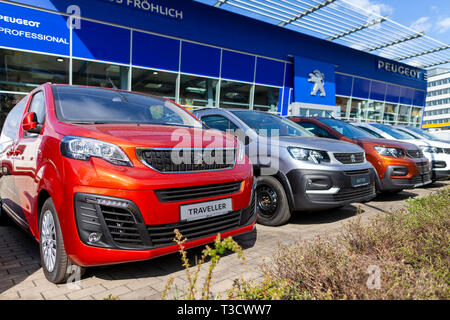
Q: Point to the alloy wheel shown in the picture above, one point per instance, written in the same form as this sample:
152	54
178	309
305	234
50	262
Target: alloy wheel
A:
48	240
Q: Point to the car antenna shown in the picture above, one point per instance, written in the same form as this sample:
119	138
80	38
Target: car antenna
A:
115	87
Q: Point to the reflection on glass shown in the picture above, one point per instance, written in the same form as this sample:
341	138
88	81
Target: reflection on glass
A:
7	102
22	71
403	114
375	110
266	98
357	109
197	91
317	113
234	94
343	103
154	82
416	116
390	111
96	74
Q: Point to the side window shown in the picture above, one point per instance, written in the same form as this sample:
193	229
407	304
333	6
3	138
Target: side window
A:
12	122
217	122
38	106
316	130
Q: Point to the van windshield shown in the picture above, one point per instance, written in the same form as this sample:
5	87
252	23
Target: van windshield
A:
85	105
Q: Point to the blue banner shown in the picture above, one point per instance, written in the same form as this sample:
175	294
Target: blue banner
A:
28	29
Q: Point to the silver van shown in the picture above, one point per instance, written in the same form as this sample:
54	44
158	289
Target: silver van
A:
295	170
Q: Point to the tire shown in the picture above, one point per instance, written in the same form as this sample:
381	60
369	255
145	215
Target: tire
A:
55	263
3	216
271	202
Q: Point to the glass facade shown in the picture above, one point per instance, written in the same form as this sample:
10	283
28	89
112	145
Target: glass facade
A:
376	101
192	74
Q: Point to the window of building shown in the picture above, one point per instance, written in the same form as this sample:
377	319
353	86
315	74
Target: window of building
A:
23	71
154	82
344	103
358	109
390	112
197	91
416	116
266	98
97	74
403	114
234	94
375	110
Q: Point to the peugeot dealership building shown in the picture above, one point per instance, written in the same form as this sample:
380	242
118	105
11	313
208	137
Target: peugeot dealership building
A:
198	56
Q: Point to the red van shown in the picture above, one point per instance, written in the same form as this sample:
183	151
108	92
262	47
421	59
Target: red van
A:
102	176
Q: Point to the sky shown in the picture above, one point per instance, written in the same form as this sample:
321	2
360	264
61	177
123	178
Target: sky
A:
431	16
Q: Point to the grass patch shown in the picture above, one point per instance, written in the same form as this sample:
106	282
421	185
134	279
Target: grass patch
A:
400	255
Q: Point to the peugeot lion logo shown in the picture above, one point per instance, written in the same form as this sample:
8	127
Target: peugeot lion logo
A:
353	158
317	78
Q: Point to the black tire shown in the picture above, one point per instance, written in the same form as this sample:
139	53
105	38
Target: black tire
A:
271	202
63	268
3	216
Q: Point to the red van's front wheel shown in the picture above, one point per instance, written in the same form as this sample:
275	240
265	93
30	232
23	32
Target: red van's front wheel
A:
55	263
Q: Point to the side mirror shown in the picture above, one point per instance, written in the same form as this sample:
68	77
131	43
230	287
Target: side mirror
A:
30	123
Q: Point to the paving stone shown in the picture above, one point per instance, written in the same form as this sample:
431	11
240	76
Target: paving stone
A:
21	276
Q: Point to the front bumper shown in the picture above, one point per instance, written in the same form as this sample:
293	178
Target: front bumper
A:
440	174
128	233
393	182
440	164
337	188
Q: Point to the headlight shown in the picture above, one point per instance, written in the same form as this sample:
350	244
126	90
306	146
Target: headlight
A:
391	152
316	156
429	149
84	148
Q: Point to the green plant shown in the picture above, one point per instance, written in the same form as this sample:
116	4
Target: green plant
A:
404	254
194	290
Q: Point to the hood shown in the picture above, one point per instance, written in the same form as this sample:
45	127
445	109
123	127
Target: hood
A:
132	135
319	144
387	143
432	143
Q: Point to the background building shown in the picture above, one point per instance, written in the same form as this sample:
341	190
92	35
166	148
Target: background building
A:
437	110
199	55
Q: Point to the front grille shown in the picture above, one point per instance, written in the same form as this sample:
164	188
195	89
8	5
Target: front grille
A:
188	160
200	192
357	172
163	235
446	150
122	226
350	158
414	154
423	167
345	194
420	178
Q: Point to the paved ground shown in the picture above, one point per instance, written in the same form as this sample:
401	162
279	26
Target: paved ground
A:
21	275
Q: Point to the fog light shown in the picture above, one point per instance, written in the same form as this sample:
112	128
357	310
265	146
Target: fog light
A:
318	183
112	203
94	237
